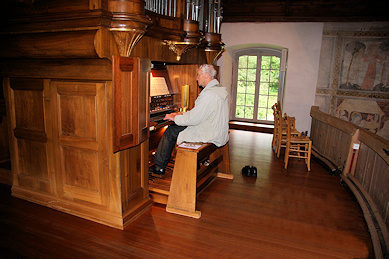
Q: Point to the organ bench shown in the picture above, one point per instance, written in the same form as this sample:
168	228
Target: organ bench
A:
194	169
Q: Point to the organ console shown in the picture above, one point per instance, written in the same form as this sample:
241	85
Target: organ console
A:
76	78
161	105
162	95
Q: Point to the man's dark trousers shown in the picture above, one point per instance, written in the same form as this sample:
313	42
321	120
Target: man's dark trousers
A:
166	145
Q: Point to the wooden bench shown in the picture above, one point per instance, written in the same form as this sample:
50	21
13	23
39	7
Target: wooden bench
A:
189	179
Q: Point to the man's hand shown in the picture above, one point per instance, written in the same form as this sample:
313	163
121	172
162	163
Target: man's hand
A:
171	116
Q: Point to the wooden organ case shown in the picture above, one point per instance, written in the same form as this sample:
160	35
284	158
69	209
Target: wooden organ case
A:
76	85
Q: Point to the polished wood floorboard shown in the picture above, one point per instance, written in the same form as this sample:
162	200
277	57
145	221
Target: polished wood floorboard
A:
280	214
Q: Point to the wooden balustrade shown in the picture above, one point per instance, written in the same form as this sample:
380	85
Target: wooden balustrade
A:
361	156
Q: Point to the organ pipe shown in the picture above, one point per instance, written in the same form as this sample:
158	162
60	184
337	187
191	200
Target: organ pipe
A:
207	12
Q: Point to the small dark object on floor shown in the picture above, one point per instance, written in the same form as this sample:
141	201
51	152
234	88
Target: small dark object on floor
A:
250	171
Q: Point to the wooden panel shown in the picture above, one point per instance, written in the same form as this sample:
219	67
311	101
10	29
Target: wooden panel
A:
42	7
78	111
4	138
372	172
28	98
369	163
379	190
32	159
131	101
85	69
81	176
134	166
184	75
30	163
332	137
74	44
343	142
360	169
29	123
4	145
80	141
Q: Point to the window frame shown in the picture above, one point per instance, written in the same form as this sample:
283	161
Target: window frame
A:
259	52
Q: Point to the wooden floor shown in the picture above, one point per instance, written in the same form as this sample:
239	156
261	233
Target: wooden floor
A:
280	214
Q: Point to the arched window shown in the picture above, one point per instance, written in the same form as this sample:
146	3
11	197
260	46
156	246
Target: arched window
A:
257	84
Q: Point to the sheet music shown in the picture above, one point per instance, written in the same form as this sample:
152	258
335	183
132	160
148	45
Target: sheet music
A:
190	145
158	86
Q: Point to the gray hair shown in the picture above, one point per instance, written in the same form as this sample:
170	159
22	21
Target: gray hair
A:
210	69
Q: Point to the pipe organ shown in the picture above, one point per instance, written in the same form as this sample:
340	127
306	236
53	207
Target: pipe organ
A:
208	13
76	80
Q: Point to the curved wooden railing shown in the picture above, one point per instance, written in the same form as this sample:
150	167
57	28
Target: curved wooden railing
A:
362	158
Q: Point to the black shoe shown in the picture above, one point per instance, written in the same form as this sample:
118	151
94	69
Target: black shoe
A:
245	170
249	171
157	171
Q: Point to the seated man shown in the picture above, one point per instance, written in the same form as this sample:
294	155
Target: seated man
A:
207	122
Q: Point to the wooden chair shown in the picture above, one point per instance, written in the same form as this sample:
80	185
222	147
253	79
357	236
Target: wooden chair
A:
297	146
282	131
280	139
276	109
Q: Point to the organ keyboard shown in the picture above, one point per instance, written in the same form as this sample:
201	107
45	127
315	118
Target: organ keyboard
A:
160	105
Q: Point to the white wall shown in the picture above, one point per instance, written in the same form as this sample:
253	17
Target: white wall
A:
303	41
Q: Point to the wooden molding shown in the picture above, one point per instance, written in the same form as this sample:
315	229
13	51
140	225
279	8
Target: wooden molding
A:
126	40
179	47
129	23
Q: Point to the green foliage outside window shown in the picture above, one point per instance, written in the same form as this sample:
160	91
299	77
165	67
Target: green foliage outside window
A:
250	88
249	112
239	112
264	89
241	87
249	100
240	99
242	74
266	61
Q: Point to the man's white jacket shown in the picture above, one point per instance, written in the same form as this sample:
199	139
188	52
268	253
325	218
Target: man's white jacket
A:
208	120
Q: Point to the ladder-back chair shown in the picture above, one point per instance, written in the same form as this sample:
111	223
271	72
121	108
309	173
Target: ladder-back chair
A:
276	109
282	131
297	146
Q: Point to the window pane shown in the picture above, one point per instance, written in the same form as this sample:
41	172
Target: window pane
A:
250	88
274	75
273	89
275	63
240	99
242	74
242	62
249	100
264	89
262	102
265	76
265	64
251	75
249	112
241	87
252	62
270	116
239	112
262	114
272	101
